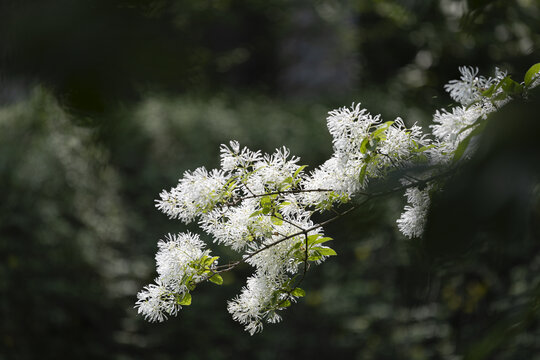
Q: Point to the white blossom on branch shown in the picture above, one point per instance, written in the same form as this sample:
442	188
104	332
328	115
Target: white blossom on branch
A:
262	205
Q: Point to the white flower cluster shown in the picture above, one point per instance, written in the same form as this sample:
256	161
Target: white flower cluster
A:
452	127
468	89
261	205
412	221
253	205
478	96
181	263
195	193
364	148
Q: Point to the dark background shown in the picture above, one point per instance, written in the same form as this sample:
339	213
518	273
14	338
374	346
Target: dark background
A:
105	103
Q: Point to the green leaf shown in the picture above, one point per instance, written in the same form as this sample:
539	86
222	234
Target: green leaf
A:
314	257
317	239
423	148
258	212
216	279
460	150
531	74
468	127
362	174
511	87
186	300
325	251
285	303
364	144
489	92
266	201
312	238
377	133
373	144
283	204
500	96
191	286
299	170
277	219
322	240
298	292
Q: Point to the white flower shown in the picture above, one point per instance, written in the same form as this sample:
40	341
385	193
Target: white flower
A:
349	127
328	176
232	157
469	88
413	220
176	262
271	171
465	89
454	126
156	301
196	193
252	305
175	259
364	148
440	153
235	226
399	142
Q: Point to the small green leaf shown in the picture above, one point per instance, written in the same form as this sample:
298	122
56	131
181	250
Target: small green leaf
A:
266	201
312	238
531	74
186	300
322	240
315	256
362	175
191	286
364	144
256	213
277	219
489	92
373	144
511	87
298	292
283	204
285	303
500	96
325	251
299	170
423	148
468	127
216	279
378	134
460	150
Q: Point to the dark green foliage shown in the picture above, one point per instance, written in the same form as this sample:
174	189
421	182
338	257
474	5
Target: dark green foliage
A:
59	223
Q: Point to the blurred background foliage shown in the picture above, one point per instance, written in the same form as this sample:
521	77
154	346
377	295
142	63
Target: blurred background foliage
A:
106	102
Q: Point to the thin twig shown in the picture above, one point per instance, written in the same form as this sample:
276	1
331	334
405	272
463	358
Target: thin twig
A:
367	198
